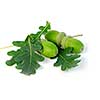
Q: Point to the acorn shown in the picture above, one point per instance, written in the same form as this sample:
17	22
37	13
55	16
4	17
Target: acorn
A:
49	49
54	36
76	44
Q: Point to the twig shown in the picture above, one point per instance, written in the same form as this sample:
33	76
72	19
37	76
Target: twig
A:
6	47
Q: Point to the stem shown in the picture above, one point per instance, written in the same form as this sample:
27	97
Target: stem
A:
6	47
77	35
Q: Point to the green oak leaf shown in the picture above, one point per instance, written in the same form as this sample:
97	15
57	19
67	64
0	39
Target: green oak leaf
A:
66	59
25	58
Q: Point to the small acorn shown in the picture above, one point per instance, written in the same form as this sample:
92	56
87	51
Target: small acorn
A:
72	42
49	49
55	36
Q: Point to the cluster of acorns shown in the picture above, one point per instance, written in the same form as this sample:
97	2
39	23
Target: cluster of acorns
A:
55	39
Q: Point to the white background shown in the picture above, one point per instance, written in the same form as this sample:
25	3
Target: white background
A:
18	18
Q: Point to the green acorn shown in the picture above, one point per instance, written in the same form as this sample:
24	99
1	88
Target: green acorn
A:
49	49
72	42
55	36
